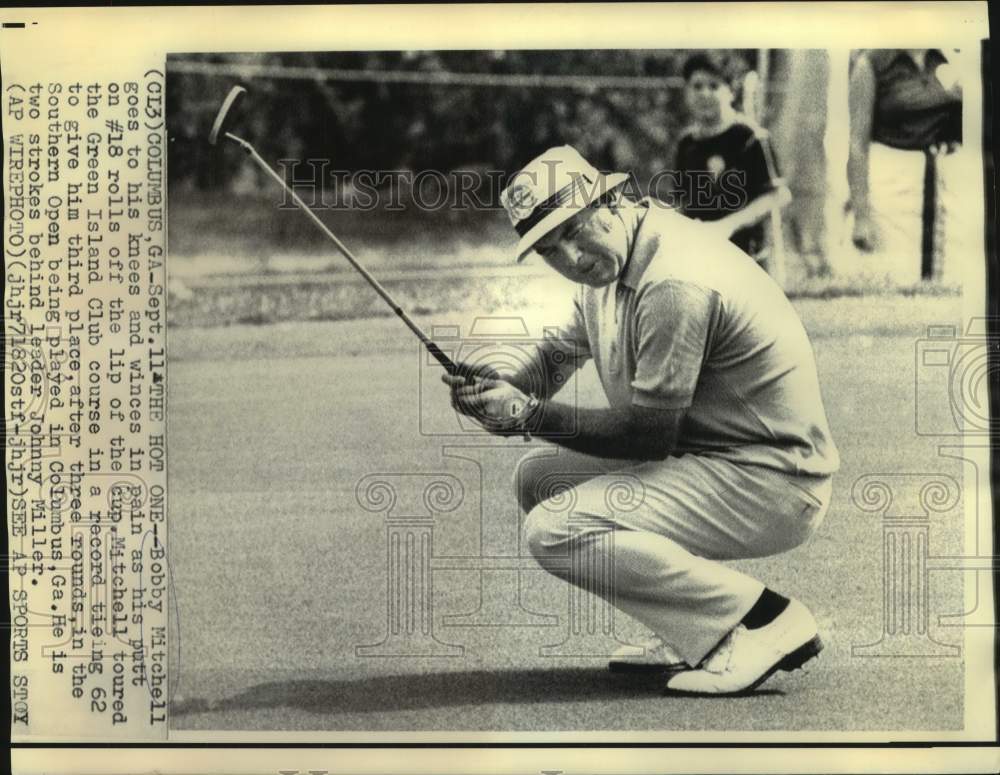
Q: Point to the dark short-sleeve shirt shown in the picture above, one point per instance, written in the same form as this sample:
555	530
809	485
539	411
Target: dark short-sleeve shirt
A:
720	174
696	324
913	109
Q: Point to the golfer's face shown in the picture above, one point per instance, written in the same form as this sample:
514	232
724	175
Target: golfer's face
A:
589	248
706	94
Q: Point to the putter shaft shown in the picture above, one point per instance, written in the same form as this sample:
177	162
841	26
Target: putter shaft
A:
450	366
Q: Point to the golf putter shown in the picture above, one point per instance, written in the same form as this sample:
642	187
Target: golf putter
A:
219	129
224	120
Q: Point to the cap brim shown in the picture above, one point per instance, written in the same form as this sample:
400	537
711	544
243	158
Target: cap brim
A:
562	214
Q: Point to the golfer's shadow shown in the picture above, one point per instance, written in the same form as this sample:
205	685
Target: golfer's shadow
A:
389	693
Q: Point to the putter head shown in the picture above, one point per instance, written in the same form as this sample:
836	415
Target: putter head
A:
225	112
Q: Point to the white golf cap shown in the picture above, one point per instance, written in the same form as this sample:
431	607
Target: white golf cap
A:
550	190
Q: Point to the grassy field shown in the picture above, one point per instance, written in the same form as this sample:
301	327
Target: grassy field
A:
212	233
244	259
279	574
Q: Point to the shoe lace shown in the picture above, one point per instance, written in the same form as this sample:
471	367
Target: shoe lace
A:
653	645
718	661
656	647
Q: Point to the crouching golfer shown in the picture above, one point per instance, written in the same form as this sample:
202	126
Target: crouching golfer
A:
715	409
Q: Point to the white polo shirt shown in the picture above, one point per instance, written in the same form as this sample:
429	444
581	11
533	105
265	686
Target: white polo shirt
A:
694	323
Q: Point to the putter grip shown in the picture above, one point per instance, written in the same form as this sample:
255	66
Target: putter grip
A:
449	365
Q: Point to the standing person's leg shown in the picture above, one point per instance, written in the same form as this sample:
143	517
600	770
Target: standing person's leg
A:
896	194
958	238
665	543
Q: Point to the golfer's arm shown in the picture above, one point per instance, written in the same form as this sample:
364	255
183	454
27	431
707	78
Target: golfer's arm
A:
861	108
635	433
552	365
542	383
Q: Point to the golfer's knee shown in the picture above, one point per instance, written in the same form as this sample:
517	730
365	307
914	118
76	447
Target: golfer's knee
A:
528	478
545	534
522	491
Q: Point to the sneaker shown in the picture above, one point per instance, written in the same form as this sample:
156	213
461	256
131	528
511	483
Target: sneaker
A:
746	658
657	657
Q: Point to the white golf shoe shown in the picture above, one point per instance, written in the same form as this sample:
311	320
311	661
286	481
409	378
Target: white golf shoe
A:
657	656
746	658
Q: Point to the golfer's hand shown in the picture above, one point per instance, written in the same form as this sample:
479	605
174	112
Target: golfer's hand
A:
473	372
495	404
943	149
468	374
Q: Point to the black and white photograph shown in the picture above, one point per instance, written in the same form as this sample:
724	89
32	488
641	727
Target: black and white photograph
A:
577	403
544	388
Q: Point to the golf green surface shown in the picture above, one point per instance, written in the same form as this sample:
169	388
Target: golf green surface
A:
279	573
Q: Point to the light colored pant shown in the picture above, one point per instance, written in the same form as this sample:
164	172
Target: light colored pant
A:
896	194
663	527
